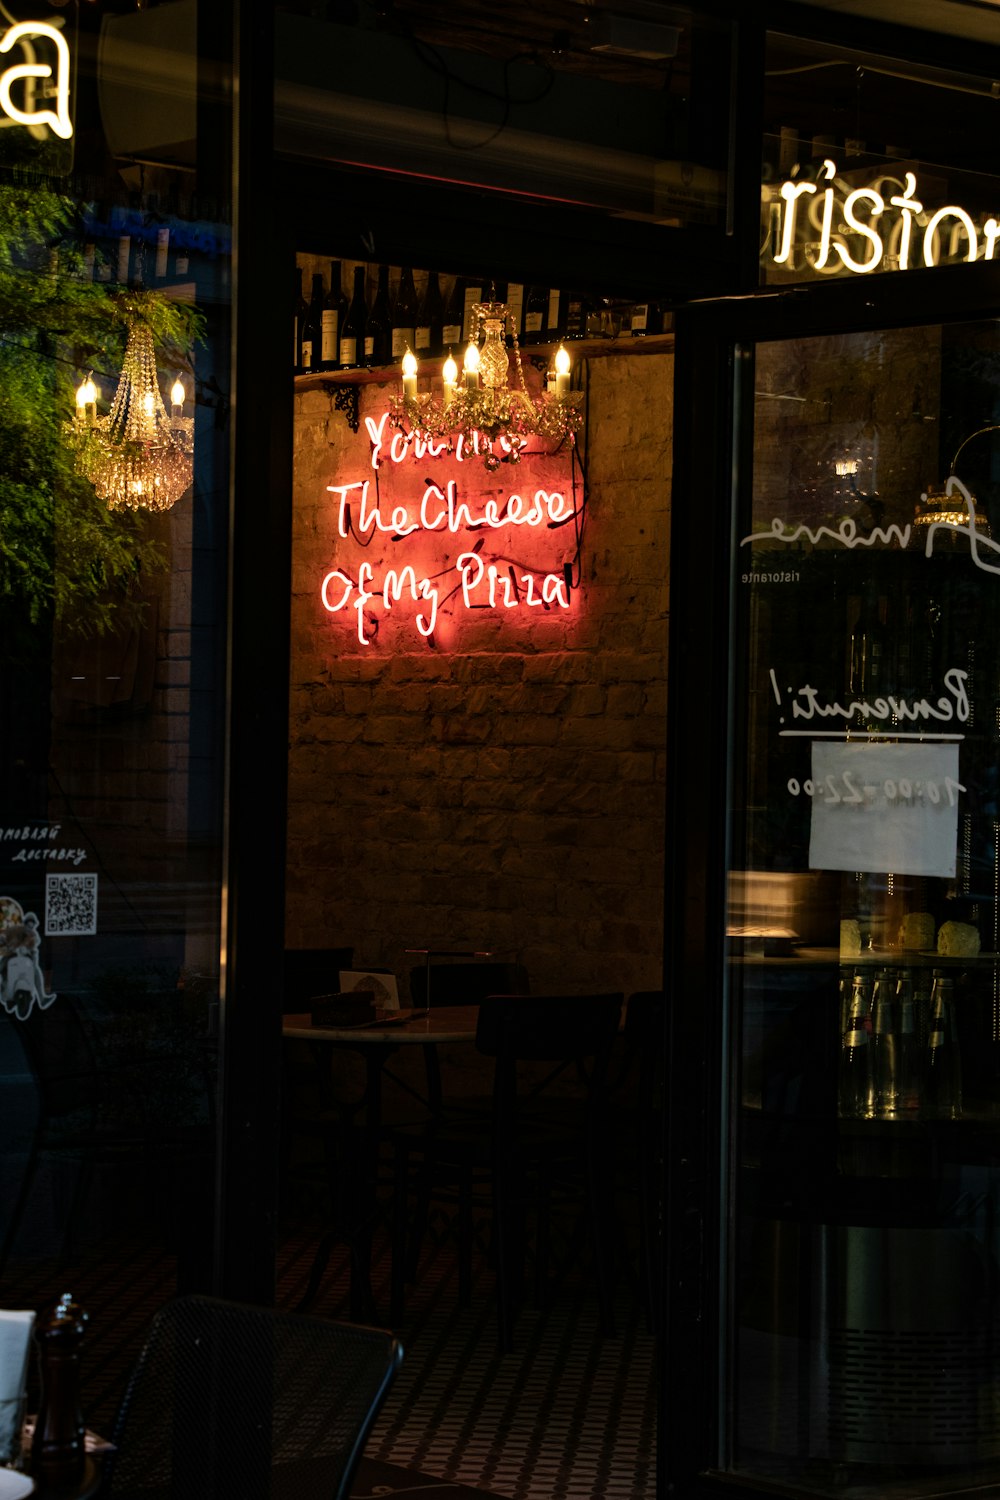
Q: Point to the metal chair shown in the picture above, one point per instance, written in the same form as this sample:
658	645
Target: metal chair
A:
542	1131
233	1400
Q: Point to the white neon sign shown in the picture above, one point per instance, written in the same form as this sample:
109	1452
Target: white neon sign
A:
467	580
57	119
827	222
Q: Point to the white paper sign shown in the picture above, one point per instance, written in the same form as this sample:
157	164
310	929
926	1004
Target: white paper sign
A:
889	808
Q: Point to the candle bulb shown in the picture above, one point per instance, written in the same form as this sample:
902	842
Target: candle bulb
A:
86	402
177	399
449	375
410	375
471	365
562	372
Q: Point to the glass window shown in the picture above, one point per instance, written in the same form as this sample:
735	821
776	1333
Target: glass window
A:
872	164
863	917
114	347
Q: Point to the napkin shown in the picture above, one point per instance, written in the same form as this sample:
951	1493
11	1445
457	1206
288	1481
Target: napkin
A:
15	1342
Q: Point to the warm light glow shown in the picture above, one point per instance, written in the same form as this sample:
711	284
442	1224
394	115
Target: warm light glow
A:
471	367
81	393
845	466
409	363
864	218
148	404
177	393
449	373
58	119
562	361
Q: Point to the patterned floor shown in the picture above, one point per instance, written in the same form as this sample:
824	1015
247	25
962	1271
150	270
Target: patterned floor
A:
566	1416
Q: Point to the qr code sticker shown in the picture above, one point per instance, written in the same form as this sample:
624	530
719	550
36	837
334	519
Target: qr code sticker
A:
70	905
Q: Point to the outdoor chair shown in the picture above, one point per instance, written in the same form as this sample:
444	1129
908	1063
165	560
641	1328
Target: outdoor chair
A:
228	1400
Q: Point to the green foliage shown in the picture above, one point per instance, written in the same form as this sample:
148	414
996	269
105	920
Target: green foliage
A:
63	555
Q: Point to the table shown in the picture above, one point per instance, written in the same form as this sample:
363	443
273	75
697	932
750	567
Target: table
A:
377	1040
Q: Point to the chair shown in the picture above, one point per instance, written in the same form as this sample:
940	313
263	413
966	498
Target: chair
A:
543	1131
312	971
636	1099
459	984
136	1113
232	1400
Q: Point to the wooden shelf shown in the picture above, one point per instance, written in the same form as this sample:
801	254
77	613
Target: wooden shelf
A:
657	343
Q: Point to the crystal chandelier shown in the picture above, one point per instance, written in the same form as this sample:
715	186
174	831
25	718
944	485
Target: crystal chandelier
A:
138	456
483	411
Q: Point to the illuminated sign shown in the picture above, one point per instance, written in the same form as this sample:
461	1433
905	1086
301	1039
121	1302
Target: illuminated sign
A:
29	73
428	546
828	226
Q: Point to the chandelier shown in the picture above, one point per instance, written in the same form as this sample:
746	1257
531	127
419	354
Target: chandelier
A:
138	456
482	411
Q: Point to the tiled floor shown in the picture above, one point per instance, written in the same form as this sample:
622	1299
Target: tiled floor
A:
566	1416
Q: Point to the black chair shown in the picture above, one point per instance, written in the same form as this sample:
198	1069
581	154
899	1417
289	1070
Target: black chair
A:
309	972
232	1400
542	1134
148	1116
459	984
636	1111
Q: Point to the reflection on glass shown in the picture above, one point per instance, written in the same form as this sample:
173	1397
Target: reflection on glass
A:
863	919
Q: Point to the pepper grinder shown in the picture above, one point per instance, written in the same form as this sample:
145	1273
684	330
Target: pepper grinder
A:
57	1449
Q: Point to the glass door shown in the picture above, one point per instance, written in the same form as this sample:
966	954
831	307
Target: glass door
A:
861	1287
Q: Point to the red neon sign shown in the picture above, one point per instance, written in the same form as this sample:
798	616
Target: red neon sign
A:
400	530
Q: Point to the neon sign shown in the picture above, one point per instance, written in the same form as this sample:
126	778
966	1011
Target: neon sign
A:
438	514
57	119
829	227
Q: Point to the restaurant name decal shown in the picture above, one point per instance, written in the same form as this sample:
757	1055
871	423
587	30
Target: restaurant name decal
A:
830	227
406	537
31	75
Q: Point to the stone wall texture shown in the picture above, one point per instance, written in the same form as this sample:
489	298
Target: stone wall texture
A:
499	786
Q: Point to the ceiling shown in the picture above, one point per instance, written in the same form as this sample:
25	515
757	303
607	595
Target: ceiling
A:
973	20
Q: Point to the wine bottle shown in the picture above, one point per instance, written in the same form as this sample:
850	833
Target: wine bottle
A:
312	327
515	309
451	328
855	1084
472	296
943	1066
867	648
301	312
555	320
639	322
352	330
334	310
378	329
430	323
885	1060
535	315
576	316
404	315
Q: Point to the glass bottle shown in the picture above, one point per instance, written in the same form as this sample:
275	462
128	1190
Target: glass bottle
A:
57	1448
352	331
908	1054
312	327
943	1064
334	310
535	312
856	1085
430	323
885	1060
301	312
451	328
378	330
404	315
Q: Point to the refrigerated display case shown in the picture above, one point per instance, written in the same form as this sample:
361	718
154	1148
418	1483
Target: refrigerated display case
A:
839	1198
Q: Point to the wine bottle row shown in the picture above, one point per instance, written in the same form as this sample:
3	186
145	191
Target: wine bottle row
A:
373	322
899	1055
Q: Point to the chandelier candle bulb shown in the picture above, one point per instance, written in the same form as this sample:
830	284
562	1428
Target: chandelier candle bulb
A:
449	378
471	366
176	400
562	371
410	375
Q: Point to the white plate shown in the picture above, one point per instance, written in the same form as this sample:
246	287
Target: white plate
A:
14	1486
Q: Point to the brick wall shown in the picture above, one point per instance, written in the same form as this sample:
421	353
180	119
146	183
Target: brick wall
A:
501	786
